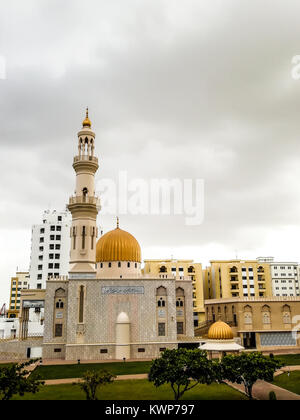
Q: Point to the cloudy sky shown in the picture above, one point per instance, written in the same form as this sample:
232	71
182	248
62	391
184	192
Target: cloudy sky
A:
176	90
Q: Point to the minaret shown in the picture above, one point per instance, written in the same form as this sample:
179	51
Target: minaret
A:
84	206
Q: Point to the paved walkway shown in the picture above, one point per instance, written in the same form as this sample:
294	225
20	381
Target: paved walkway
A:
53	362
287	369
75	380
261	391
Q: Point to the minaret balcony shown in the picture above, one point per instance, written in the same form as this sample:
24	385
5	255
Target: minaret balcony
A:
84	200
85	158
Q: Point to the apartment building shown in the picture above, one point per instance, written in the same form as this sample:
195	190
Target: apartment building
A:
237	278
50	248
19	282
285	277
178	269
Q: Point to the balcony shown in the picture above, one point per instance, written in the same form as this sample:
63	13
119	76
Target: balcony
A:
85	158
84	200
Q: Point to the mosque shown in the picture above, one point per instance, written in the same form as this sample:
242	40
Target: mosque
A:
106	308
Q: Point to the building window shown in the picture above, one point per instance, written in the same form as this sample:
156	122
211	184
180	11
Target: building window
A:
103	351
141	350
161	329
81	304
180	328
58	330
57	350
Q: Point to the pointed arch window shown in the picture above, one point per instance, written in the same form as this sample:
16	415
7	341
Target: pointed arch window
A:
81	304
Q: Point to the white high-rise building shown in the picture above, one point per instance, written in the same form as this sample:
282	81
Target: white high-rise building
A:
285	277
50	248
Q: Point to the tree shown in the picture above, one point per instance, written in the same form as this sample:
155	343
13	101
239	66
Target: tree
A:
183	369
15	379
247	368
92	380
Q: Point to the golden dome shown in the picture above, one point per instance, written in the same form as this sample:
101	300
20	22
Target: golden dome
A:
87	121
118	245
220	331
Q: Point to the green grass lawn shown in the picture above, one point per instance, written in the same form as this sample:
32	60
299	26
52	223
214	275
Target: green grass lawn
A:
289	359
135	390
291	383
77	371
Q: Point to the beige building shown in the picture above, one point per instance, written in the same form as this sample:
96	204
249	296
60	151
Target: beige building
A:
19	282
266	324
107	308
178	269
237	278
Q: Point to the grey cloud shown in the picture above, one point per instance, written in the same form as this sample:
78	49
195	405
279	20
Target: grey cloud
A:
193	90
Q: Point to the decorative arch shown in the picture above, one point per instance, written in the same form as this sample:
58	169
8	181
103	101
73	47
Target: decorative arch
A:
286	314
180	292
161	294
60	292
266	315
161	291
179	297
248	315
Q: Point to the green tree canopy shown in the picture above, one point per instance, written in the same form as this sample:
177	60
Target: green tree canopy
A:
248	368
92	380
183	369
16	379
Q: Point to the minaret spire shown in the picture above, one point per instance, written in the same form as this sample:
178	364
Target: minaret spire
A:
87	121
84	206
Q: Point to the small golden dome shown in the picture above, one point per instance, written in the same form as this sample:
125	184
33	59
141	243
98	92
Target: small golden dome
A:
220	331
118	245
87	121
